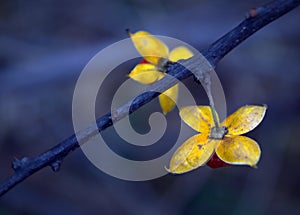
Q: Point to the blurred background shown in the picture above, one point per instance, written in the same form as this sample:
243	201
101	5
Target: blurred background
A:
45	45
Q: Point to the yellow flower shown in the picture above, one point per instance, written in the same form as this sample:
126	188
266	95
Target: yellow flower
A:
157	55
232	148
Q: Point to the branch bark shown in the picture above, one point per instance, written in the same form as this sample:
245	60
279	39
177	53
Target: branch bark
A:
255	19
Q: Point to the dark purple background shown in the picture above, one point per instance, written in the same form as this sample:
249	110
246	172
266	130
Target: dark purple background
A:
45	45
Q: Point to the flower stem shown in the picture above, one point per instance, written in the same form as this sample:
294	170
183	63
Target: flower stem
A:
215	117
212	106
216	132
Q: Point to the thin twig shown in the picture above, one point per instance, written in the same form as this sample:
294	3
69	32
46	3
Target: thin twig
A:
255	20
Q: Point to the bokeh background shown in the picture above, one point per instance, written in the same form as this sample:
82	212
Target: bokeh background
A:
45	45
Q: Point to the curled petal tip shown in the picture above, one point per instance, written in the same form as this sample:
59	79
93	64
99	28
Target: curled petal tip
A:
254	166
128	31
167	169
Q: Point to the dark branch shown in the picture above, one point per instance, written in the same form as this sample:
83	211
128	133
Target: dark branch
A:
255	20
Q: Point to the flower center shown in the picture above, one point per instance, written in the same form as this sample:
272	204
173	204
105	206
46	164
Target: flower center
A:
218	132
162	64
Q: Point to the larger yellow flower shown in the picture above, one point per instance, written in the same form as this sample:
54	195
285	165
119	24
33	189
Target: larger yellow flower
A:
232	148
156	54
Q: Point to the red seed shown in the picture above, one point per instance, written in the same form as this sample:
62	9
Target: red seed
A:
143	61
216	162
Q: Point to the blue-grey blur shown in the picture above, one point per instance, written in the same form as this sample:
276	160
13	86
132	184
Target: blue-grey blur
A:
45	45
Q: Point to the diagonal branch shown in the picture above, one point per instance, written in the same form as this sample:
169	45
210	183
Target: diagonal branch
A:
255	20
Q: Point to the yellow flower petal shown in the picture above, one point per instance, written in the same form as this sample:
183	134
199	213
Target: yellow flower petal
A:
194	152
238	150
168	99
145	73
151	48
198	117
180	53
244	119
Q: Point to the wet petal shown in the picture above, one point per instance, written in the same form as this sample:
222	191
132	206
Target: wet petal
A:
151	48
244	119
168	99
198	117
145	73
193	153
238	150
180	53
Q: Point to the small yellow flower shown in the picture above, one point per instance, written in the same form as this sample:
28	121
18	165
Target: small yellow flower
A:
231	149
156	54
